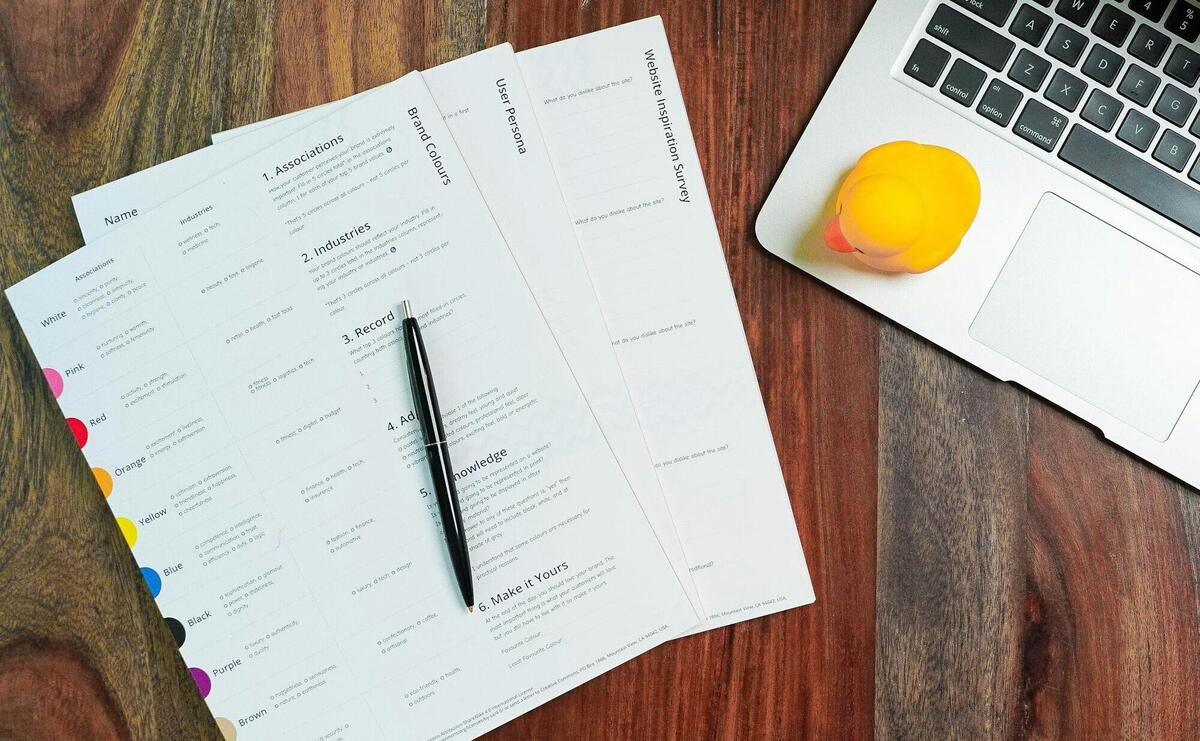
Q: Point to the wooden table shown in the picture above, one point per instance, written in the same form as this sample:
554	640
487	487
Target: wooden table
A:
985	566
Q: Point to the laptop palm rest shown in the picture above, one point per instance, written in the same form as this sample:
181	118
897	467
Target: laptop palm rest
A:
1100	314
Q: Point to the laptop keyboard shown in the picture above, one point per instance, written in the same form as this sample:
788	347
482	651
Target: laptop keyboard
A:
1107	87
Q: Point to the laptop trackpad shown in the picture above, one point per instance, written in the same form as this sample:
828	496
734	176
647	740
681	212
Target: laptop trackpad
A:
1100	314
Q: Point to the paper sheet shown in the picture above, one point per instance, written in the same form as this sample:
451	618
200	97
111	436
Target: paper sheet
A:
618	135
226	364
490	115
614	119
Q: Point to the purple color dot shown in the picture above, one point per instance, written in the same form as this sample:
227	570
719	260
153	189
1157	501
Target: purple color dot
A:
203	683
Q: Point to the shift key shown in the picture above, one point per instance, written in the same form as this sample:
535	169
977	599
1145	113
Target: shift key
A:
970	37
1041	125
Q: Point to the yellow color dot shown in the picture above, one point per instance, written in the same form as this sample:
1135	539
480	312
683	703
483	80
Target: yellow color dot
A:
128	529
104	479
227	729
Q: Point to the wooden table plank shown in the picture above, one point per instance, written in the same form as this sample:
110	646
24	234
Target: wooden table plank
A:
952	491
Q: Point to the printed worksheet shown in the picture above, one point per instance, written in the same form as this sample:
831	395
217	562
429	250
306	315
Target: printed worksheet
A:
227	364
488	111
614	120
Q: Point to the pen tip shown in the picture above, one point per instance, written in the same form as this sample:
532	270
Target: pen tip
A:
407	309
471	608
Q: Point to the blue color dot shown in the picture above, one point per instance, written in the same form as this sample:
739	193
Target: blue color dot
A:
153	580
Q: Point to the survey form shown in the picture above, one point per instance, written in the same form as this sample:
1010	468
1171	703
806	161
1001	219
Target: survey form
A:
488	111
614	119
227	364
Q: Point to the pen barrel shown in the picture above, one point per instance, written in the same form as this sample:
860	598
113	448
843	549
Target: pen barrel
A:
452	520
437	450
425	403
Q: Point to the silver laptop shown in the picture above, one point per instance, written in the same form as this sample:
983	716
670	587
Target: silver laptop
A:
1080	279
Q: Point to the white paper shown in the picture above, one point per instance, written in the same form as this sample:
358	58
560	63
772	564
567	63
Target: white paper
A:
232	355
614	120
656	268
478	95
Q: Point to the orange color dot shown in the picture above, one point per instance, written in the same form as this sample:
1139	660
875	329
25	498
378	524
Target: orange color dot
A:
103	480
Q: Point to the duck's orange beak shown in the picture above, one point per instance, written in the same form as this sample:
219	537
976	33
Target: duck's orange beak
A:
835	238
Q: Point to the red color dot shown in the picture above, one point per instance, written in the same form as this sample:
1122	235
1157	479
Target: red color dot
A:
79	430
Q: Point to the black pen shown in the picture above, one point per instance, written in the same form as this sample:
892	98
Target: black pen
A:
437	451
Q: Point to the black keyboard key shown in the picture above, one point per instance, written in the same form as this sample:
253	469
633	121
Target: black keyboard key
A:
1184	21
995	11
1149	45
1044	3
1103	65
1113	25
1103	110
1029	70
1041	125
1129	174
1066	90
1031	25
1151	9
1174	151
964	82
1195	173
1139	85
1184	65
1078	12
1138	131
1175	105
927	62
970	37
999	103
1067	45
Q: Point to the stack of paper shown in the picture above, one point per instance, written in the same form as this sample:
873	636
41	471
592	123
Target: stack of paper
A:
225	351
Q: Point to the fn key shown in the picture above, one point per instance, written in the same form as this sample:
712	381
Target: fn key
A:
926	63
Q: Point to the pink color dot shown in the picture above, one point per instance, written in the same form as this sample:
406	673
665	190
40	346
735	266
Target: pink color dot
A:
203	683
54	378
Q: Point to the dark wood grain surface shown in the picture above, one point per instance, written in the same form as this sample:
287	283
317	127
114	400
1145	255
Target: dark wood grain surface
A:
985	566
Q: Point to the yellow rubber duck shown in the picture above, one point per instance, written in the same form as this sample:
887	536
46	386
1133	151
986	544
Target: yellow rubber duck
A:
905	207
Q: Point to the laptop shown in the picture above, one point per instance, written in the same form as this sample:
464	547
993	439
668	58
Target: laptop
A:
1080	278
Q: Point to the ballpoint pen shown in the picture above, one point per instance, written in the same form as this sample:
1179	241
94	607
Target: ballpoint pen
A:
437	452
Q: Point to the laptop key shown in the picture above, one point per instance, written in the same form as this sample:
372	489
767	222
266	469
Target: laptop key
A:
1129	174
1103	65
1175	105
1029	70
964	82
1139	85
1031	25
1150	9
1041	125
1195	130
1102	110
1184	65
1138	131
970	37
995	11
999	103
1184	21
927	62
1149	45
1113	25
1066	90
1174	151
1067	45
1078	12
